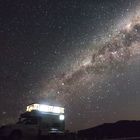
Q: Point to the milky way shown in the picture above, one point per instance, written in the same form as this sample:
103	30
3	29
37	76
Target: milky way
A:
113	55
83	55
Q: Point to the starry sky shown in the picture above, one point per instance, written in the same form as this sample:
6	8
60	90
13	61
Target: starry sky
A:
80	54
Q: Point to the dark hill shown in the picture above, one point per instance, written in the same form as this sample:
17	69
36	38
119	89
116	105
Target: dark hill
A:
120	129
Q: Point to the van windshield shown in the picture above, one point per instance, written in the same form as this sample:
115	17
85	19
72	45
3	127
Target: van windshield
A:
31	121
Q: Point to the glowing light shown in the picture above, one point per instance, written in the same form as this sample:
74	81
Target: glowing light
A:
45	108
56	110
61	117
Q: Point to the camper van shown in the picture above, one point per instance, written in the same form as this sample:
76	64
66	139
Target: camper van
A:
38	120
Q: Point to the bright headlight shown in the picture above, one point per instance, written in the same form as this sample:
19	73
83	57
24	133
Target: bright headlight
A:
61	117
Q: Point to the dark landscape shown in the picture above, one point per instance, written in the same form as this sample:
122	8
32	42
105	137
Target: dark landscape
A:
70	69
121	130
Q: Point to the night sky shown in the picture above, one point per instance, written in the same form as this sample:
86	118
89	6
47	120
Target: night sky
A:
80	54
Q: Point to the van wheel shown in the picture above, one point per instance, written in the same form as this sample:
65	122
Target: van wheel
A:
15	135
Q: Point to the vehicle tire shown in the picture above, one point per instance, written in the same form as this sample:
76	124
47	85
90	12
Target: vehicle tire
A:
15	135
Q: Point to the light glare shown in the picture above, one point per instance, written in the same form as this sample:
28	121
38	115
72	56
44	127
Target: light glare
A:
61	117
45	108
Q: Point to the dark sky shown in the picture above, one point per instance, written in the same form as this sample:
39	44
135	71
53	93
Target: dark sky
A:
51	51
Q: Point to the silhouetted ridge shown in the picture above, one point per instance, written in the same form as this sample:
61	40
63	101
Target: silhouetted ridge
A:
120	129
